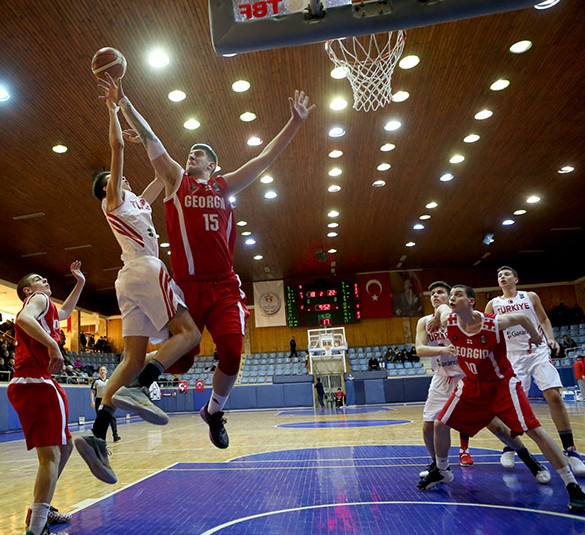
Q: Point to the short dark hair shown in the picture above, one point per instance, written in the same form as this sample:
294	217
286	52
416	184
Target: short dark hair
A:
22	284
469	291
207	149
439	284
514	272
99	182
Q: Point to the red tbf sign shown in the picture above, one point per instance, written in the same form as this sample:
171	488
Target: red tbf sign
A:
183	386
200	385
260	9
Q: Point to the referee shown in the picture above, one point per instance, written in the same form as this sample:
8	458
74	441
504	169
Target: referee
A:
96	394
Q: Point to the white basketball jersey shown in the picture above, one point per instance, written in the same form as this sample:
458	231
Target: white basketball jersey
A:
445	365
132	225
517	337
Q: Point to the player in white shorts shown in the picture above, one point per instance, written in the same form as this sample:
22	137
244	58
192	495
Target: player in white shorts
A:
152	305
433	342
533	363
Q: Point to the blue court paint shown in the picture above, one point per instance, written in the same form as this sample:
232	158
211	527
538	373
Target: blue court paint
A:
340	411
343	423
355	490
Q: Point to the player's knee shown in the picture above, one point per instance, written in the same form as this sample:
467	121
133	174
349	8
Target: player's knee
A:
229	350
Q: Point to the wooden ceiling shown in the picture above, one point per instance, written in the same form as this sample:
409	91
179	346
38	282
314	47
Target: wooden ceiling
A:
537	127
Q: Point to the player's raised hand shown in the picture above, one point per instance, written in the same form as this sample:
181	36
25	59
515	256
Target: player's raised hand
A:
131	135
112	90
299	106
76	271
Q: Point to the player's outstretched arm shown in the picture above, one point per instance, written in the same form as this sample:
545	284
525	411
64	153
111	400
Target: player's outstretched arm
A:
153	190
71	301
544	320
509	320
422	339
245	175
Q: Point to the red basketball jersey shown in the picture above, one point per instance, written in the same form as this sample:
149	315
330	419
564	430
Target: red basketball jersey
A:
200	224
482	355
32	357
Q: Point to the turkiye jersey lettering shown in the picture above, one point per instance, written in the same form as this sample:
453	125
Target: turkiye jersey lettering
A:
32	357
200	225
132	225
517	337
482	355
445	365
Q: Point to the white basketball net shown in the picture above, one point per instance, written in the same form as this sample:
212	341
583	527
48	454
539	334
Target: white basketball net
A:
368	62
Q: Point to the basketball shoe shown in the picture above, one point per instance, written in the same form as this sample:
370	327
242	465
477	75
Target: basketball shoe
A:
465	458
508	458
434	477
426	471
217	432
575	462
93	451
46	531
576	498
135	399
54	517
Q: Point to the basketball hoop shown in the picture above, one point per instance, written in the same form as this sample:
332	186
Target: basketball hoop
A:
368	62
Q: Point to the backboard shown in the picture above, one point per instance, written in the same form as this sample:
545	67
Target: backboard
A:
248	25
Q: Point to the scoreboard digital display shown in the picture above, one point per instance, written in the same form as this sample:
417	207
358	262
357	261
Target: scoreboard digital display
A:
322	305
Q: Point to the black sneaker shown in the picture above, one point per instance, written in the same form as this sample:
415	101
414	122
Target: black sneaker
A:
117	438
434	477
93	451
54	517
46	531
426	471
217	433
576	498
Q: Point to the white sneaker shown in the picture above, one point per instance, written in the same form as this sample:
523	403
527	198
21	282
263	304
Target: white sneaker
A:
543	476
507	459
575	462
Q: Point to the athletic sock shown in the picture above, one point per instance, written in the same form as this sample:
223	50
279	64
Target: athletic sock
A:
464	441
566	475
104	416
567	439
442	463
38	517
216	402
529	460
150	373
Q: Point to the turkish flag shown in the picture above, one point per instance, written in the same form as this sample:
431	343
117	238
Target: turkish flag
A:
375	295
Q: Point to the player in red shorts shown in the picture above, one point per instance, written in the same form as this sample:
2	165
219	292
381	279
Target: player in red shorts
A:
40	402
489	389
202	233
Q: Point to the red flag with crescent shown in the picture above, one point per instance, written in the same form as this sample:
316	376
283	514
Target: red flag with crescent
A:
375	295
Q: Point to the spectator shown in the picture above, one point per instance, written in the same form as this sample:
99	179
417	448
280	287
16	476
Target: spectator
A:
91	343
373	363
9	367
339	398
320	392
82	341
77	364
568	343
389	355
4	373
579	367
293	347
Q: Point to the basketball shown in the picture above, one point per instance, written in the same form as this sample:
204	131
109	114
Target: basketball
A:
108	60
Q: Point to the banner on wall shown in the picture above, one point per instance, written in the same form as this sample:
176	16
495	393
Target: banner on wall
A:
375	293
269	306
407	297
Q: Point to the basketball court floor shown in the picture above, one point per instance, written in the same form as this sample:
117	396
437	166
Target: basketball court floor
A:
294	471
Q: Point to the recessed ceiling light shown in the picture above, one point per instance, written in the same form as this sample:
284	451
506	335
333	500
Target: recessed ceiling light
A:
500	84
378	183
335	171
521	47
334	188
331	234
158	58
424	217
232	199
446	177
338	104
566	169
333	213
546	4
336	131
457	158
335	154
533	199
4	94
400	96
240	86
254	141
471	138
250	241
383	167
332	251
242	223
410	244
177	95
431	205
483	114
339	73
191	124
229	55
266	179
169	253
258	257
332	225
508	222
60	149
164	245
519	212
390	126
246	233
387	147
418	226
247	116
408	62
270	195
